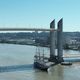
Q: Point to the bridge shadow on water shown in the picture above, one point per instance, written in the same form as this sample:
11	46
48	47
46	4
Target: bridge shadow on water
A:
16	68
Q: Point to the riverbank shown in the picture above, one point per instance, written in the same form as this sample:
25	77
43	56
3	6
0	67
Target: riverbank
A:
23	42
33	43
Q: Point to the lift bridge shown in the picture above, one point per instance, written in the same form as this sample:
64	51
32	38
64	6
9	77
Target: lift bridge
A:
53	57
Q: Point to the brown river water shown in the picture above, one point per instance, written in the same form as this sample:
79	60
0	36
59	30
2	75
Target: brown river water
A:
16	63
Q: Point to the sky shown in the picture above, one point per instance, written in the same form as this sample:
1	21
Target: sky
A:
39	13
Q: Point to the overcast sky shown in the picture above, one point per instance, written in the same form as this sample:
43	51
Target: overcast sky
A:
39	13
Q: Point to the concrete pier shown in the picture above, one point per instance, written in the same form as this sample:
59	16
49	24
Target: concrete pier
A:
60	41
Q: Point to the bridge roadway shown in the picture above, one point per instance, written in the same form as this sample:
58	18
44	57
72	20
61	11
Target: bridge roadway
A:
68	57
26	29
71	55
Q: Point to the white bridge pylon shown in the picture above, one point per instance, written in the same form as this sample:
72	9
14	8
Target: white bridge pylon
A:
27	29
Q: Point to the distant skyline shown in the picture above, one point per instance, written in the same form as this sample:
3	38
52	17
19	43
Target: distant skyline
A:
39	13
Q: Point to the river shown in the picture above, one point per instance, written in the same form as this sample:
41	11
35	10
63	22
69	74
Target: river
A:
16	63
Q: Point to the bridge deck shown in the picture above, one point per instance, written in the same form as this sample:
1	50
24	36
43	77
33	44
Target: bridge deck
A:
26	29
71	55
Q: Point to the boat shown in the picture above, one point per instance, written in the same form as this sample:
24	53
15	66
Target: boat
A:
40	63
66	63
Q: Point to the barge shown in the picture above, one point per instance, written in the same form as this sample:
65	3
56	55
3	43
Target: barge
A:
42	63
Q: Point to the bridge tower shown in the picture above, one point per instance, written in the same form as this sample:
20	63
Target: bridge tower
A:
52	41
60	40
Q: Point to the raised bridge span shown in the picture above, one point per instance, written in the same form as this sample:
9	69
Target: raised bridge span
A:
71	55
26	29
